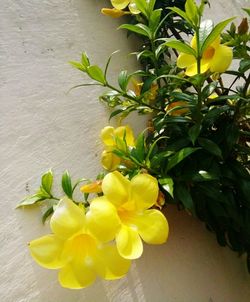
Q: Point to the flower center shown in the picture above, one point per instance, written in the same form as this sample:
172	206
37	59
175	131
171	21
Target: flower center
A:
208	53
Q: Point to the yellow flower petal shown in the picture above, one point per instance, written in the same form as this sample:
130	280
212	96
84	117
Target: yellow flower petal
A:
67	219
93	187
129	243
116	188
152	226
109	160
107	136
185	60
76	275
102	219
144	190
110	265
191	70
47	251
113	12
222	59
125	132
120	4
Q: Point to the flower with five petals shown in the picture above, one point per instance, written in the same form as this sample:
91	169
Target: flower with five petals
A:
73	249
132	201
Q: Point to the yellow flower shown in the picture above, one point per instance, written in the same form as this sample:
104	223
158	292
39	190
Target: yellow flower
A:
177	112
113	12
74	250
216	58
121	4
132	200
120	138
93	187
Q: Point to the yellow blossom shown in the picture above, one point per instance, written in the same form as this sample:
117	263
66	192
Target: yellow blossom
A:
132	200
216	58
113	12
121	138
121	4
93	187
73	248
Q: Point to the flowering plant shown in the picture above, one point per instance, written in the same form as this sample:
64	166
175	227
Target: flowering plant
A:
194	153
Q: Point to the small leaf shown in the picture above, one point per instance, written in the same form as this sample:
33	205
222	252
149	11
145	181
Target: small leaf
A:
180	12
168	185
48	213
184	196
123	79
77	65
181	47
215	33
194	132
210	146
180	156
66	184
85	60
96	73
209	89
140	29
30	200
47	181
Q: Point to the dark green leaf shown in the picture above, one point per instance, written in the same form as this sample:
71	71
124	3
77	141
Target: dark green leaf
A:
123	79
184	196
209	89
66	184
194	132
244	65
180	156
210	146
140	147
48	213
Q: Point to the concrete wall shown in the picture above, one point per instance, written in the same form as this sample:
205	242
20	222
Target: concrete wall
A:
43	127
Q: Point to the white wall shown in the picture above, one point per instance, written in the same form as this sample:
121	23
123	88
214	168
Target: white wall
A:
43	127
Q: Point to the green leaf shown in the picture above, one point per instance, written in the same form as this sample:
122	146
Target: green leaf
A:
154	20
180	12
66	184
184	196
96	73
47	181
215	33
142	6
244	65
108	62
168	185
209	89
247	10
140	29
191	11
77	65
140	147
30	200
85	60
48	213
181	47
210	146
123	79
194	132
205	29
180	156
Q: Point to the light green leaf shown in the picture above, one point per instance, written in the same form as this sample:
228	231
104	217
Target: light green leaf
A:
215	33
168	185
180	156
96	73
77	65
181	47
30	200
85	60
205	29
47	181
154	20
192	11
180	13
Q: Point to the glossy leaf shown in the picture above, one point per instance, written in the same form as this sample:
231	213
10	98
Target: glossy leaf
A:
181	47
47	181
66	184
167	184
96	73
210	146
180	156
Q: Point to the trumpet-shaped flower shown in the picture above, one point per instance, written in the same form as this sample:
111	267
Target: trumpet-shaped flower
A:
216	58
118	6
132	200
74	250
120	138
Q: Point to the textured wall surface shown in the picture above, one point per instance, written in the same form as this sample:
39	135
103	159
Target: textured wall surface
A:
42	126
